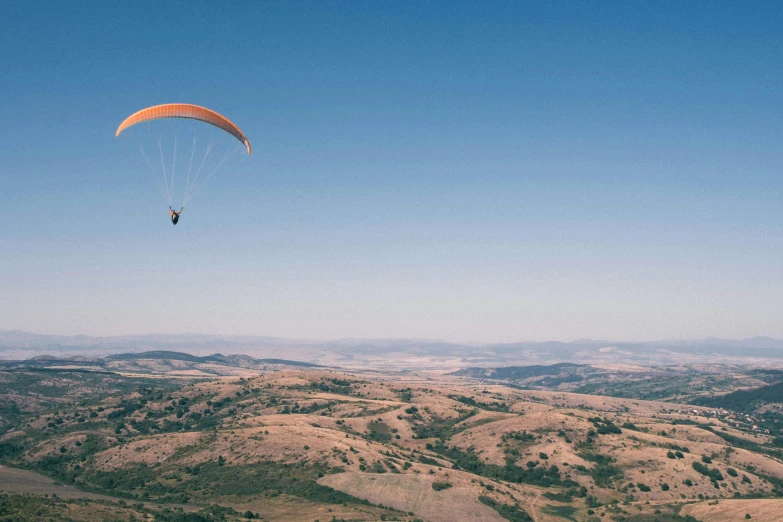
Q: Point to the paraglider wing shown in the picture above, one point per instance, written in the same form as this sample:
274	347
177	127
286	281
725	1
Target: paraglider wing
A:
185	110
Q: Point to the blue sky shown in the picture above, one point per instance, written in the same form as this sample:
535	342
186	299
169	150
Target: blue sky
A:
463	171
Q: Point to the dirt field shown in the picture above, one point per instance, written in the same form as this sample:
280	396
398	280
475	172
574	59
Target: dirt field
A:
761	510
293	509
14	480
415	493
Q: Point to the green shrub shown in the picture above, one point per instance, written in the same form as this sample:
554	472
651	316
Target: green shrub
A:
509	512
713	474
440	486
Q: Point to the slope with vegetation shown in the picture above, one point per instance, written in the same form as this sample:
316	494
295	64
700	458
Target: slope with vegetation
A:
343	445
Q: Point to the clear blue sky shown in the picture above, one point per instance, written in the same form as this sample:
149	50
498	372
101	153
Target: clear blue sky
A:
465	171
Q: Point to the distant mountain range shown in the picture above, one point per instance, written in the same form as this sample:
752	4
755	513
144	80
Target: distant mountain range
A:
158	361
357	352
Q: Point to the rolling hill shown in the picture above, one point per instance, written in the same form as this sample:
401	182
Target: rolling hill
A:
285	443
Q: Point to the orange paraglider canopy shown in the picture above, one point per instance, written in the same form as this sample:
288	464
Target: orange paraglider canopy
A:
185	110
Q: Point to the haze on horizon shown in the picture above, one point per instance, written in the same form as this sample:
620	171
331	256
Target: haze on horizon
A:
439	171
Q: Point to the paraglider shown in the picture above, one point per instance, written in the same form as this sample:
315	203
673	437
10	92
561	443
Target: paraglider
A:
174	215
186	111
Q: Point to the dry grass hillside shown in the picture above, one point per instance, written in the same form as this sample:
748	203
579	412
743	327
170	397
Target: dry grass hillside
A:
317	444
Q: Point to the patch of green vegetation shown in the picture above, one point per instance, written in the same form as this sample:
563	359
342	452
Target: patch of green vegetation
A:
10	450
777	483
604	426
554	382
203	481
440	486
377	467
10	415
210	479
507	511
713	474
567	495
673	446
535	474
440	427
405	394
744	400
470	401
51	387
426	460
663	384
379	431
566	512
317	406
15	507
18	507
209	514
604	472
740	442
661	387
748	402
334	385
520	436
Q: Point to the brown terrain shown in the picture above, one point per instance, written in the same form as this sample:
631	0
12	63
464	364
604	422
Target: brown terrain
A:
161	439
